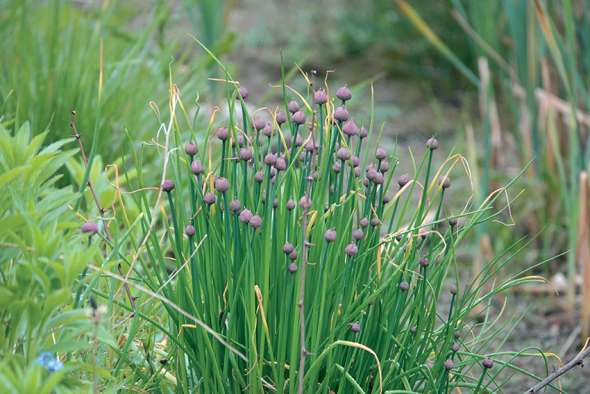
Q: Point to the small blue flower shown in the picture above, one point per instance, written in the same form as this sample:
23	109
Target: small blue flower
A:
49	362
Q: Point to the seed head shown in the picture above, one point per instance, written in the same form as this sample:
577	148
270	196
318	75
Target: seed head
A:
189	230
344	93
235	205
449	364
243	92
245	215
292	268
293	106
404	286
320	97
221	133
341	114
330	235
380	154
255	221
221	184
167	185
403	180
290	204
259	123
487	363
357	234
355	327
89	228
245	154
281	117
197	167
432	143
209	198
190	149
298	118
270	159
350	128
343	154
351	249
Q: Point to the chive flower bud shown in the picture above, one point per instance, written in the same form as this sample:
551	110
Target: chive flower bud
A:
267	130
167	185
445	182
487	363
259	176
344	93
350	128
341	114
330	235
432	143
245	215
245	154
355	327
293	106
189	230
380	154
197	167
255	221
259	123
449	364
424	262
292	268
221	184
355	161
293	255
364	222
243	92
298	118
235	205
363	133
404	286
351	249
305	202
290	204
320	97
357	234
221	133
288	248
403	180
190	149
281	117
343	154
89	228
270	159
209	198
281	164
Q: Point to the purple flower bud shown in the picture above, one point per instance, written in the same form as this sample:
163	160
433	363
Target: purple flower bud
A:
350	128
235	205
487	363
336	167
292	268
197	167
293	255
355	327
351	249
168	185
245	215
259	176
403	180
357	171
255	221
293	106
320	97
344	93
371	173
375	221
404	286
364	222
290	204
270	159
424	262
288	248
281	164
456	347
221	184
267	130
363	133
310	145
343	154
189	230
432	143
384	166
259	123
330	235
245	154
243	92
449	364
281	117
380	154
238	141
298	118
298	140
357	234
190	149
305	202
221	133
445	182
209	198
366	182
355	161
341	114
90	227
378	178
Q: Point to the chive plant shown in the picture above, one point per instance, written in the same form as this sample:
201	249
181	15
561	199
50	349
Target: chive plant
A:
319	268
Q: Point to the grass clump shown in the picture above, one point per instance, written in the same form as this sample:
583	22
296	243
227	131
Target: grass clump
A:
292	258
